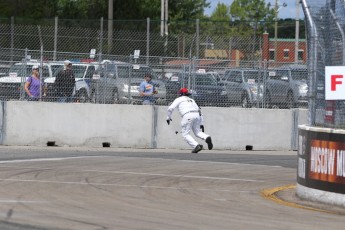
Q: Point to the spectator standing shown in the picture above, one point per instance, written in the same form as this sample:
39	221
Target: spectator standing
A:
192	120
65	83
147	90
33	85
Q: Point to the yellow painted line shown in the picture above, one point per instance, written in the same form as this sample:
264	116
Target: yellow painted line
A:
271	195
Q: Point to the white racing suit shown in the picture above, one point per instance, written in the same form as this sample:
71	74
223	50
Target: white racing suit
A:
191	119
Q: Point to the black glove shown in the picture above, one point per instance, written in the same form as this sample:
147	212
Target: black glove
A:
168	121
202	128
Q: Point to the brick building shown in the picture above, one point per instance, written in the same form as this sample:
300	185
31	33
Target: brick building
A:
285	50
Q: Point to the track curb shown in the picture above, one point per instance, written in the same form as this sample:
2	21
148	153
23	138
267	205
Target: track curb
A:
271	194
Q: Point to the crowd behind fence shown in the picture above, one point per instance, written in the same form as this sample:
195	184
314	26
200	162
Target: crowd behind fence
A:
212	82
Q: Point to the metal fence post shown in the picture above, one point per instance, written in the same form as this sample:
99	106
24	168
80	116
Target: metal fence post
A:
312	63
101	41
110	25
12	38
147	41
55	37
41	73
197	42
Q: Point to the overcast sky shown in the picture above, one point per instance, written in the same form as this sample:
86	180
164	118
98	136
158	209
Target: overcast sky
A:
284	12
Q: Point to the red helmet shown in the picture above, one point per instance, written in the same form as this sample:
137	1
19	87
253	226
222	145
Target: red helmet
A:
183	91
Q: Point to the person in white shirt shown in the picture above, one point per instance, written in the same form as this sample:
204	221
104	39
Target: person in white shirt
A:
192	120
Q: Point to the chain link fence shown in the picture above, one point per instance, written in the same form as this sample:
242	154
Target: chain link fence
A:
325	26
222	63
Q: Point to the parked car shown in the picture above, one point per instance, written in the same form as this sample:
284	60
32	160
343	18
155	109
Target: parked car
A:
286	87
204	88
244	87
118	82
83	72
12	85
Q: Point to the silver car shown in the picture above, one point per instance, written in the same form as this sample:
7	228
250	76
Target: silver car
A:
118	82
244	87
286	87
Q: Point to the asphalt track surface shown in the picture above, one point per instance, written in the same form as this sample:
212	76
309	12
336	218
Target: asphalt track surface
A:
108	188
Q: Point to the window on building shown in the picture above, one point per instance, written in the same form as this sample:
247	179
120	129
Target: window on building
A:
286	53
300	55
272	51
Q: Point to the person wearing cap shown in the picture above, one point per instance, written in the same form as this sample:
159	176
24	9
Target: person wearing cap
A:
33	85
192	120
147	90
64	83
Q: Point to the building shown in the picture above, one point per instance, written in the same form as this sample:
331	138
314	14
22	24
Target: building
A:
285	50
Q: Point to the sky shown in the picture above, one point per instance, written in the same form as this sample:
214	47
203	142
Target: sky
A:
284	12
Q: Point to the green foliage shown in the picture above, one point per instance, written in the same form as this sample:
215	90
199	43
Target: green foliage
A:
221	13
241	18
33	9
252	12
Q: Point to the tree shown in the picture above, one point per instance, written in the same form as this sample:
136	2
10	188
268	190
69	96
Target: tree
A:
95	9
221	19
32	9
251	12
221	13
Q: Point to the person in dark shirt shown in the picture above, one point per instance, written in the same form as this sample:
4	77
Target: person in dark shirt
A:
65	83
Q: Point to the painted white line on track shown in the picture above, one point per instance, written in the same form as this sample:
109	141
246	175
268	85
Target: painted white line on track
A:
142	158
23	201
175	175
46	159
123	172
120	185
229	163
144	174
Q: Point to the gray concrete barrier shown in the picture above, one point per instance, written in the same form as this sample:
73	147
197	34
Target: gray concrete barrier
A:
2	114
137	126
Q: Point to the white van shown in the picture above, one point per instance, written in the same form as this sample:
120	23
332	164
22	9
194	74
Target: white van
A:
83	72
12	85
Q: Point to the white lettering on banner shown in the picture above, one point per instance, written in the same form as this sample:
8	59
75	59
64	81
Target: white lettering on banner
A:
322	160
301	168
301	145
340	163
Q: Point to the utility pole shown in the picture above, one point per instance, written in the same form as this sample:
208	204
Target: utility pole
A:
297	31
276	10
110	25
164	17
164	25
276	7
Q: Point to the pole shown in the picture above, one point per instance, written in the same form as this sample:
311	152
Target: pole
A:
55	37
110	25
101	42
275	32
147	40
197	42
162	17
12	38
297	31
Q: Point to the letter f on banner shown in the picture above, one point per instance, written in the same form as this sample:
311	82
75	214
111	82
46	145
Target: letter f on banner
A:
335	82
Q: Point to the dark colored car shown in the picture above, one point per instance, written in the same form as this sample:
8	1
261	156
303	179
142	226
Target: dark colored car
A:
204	88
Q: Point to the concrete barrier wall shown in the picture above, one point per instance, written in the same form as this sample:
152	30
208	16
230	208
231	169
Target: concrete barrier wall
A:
137	126
1	121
